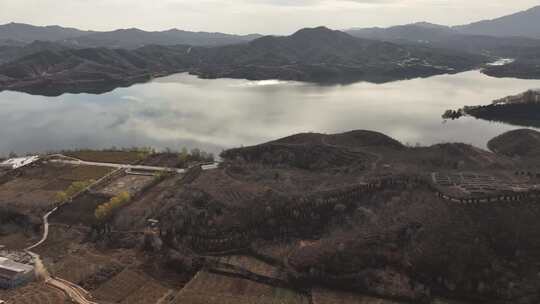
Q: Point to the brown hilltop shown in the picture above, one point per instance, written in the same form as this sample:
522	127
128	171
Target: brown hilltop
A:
522	142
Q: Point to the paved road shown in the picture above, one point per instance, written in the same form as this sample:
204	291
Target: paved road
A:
130	167
118	166
45	230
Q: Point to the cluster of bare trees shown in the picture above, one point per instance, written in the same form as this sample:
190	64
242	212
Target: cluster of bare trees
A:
299	216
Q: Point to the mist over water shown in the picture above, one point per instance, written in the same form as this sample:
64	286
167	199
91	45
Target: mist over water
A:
184	111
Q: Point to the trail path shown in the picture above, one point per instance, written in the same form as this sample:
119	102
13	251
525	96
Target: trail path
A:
76	293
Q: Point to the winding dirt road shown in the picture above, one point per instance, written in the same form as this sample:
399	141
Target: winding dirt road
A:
76	293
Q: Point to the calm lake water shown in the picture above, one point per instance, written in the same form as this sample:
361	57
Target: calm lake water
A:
181	110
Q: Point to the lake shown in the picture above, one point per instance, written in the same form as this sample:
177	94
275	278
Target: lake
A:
184	111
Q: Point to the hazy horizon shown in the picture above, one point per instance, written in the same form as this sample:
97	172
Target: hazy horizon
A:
255	16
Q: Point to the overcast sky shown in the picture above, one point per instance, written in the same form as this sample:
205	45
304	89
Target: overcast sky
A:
249	16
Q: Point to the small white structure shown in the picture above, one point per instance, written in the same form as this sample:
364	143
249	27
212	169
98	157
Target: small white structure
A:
13	274
15	163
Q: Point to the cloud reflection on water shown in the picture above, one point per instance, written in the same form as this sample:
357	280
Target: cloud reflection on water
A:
181	110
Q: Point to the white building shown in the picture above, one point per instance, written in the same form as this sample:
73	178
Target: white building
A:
14	163
13	274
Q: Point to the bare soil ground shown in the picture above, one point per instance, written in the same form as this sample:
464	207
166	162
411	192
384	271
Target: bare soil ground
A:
131	184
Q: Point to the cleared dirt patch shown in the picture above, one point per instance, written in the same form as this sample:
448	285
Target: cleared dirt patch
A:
126	183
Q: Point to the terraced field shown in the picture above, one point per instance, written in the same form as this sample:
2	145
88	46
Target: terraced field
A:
208	288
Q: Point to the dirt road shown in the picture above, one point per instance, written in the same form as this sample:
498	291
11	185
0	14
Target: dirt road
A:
76	293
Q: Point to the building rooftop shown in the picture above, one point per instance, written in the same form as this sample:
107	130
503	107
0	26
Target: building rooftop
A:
9	268
18	162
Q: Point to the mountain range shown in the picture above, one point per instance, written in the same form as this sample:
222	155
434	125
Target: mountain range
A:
52	59
16	34
525	24
432	35
316	54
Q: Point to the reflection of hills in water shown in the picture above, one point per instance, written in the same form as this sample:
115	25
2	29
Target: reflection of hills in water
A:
527	115
522	109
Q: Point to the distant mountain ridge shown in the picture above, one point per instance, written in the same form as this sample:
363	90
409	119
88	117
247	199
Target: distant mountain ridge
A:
525	24
26	33
440	36
135	38
19	33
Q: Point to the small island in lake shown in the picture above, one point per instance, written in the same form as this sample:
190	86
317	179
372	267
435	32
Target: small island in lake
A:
522	110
